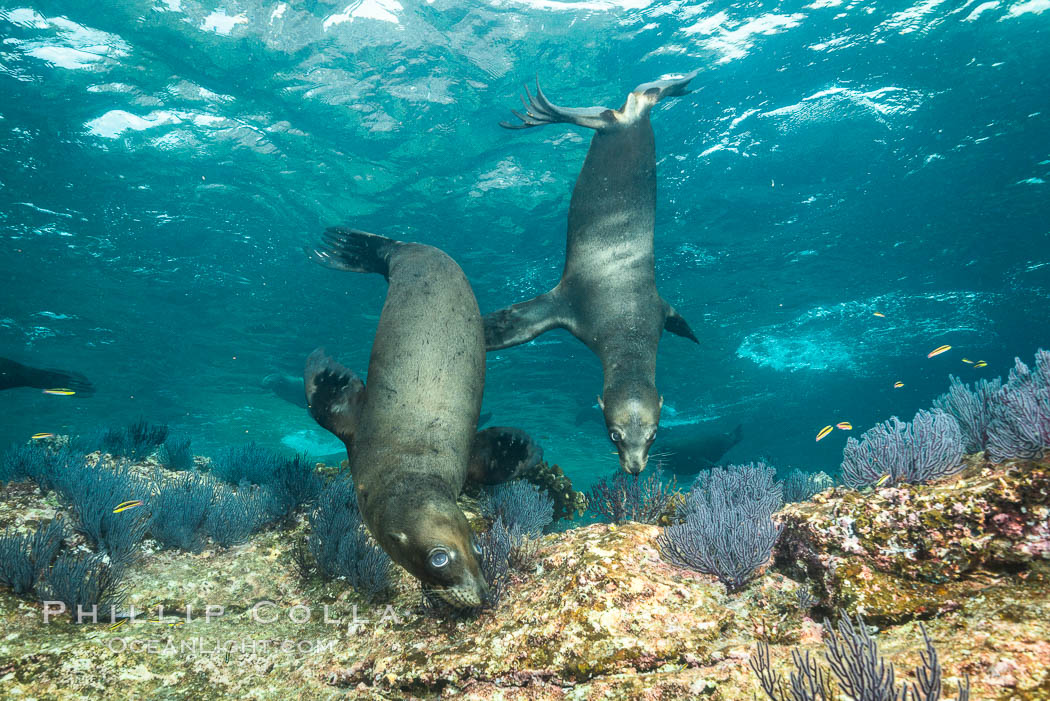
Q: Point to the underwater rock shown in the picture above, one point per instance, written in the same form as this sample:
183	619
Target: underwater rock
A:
568	503
598	615
910	551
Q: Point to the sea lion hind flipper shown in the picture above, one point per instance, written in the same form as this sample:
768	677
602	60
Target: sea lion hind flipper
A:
500	454
676	324
333	394
354	251
539	111
659	89
522	322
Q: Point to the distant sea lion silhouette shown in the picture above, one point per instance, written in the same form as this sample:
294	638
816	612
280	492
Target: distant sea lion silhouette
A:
290	389
410	433
686	450
607	295
15	374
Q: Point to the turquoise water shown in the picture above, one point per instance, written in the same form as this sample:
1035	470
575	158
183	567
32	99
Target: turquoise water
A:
162	165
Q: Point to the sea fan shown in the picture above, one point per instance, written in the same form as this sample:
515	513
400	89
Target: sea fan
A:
972	407
631	497
859	671
25	557
1020	412
178	511
87	584
340	543
895	452
728	530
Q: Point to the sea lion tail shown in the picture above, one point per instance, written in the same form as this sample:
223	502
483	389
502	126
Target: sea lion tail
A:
343	248
539	110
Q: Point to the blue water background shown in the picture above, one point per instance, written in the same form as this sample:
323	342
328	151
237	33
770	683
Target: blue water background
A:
162	165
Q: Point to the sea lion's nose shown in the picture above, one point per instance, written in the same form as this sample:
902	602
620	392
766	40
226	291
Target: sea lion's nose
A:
633	464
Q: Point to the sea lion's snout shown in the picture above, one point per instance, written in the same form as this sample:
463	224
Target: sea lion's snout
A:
634	464
633	447
439	550
632	425
467	595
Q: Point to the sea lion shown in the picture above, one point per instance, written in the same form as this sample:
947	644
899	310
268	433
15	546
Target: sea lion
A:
290	389
15	374
410	433
686	450
607	295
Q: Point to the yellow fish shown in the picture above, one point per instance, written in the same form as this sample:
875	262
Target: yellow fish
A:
882	480
823	432
898	385
63	391
844	425
938	350
879	314
967	361
125	505
980	364
41	436
118	624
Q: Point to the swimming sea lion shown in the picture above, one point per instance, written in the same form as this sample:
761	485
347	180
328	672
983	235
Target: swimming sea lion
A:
290	389
15	374
607	295
410	433
686	450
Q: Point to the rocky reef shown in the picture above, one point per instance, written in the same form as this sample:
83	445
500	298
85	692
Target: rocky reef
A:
600	615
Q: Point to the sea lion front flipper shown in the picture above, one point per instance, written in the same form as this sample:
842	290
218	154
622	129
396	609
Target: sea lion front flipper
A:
333	395
500	454
522	322
676	324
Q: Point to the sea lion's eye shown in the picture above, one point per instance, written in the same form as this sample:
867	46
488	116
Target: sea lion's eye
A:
652	434
476	547
615	436
438	558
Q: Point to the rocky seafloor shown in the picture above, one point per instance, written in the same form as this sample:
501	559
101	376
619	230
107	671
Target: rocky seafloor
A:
599	616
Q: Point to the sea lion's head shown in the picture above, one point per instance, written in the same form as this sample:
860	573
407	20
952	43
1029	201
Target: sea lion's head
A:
437	547
632	415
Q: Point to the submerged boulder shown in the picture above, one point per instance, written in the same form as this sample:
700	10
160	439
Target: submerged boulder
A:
916	550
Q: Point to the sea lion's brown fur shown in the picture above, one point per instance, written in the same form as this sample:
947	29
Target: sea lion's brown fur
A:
411	431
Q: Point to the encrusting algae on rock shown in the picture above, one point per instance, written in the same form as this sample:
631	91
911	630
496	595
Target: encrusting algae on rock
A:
598	615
